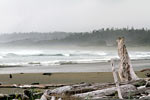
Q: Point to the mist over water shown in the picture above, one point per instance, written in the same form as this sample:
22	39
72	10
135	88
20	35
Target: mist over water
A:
41	60
71	52
48	57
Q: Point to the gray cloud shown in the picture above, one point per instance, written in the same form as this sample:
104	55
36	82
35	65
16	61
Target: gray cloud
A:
72	15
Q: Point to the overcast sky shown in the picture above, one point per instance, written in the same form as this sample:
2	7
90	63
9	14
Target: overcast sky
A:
72	15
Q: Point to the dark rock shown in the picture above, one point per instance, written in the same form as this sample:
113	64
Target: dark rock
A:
10	75
47	74
35	83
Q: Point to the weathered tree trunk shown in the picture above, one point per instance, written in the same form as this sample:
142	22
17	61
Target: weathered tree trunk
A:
116	79
126	71
106	92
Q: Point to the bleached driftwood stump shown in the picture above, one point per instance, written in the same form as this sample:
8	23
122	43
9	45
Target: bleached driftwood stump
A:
116	79
126	72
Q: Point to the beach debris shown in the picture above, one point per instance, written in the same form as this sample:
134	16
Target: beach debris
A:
46	95
35	83
59	90
10	75
3	96
106	92
53	98
47	74
27	95
145	97
143	70
59	98
147	71
116	79
138	83
141	87
92	91
126	71
147	74
147	84
40	86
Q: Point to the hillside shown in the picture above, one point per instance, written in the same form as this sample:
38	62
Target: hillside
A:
102	37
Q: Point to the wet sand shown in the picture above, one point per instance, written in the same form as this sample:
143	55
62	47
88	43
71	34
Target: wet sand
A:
66	68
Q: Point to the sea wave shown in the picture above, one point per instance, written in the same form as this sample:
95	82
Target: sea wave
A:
57	63
40	58
84	54
57	54
54	63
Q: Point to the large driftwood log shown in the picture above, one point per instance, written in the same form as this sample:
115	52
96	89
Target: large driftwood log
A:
79	88
126	71
40	86
106	92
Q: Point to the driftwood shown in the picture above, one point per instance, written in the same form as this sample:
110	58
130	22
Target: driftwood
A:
143	70
40	86
88	88
95	91
126	71
106	92
116	79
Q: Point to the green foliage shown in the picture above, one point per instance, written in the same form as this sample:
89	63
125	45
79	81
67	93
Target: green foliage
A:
104	37
107	37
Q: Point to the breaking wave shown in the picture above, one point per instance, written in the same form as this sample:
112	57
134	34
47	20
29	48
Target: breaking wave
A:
40	58
59	54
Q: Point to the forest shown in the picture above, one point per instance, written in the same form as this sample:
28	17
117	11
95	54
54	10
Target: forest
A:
101	37
108	36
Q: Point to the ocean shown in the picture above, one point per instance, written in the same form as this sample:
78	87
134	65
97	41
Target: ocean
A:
34	60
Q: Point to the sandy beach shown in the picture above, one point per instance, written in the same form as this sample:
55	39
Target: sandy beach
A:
63	74
56	78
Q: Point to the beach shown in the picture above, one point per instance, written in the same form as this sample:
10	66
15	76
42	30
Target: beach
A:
56	78
65	73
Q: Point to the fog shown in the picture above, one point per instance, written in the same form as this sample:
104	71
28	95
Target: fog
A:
72	15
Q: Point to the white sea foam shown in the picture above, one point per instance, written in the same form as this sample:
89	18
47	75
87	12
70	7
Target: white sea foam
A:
60	57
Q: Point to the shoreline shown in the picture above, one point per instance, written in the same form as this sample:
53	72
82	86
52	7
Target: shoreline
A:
73	68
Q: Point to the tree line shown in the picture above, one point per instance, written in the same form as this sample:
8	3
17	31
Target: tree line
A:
108	36
101	37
